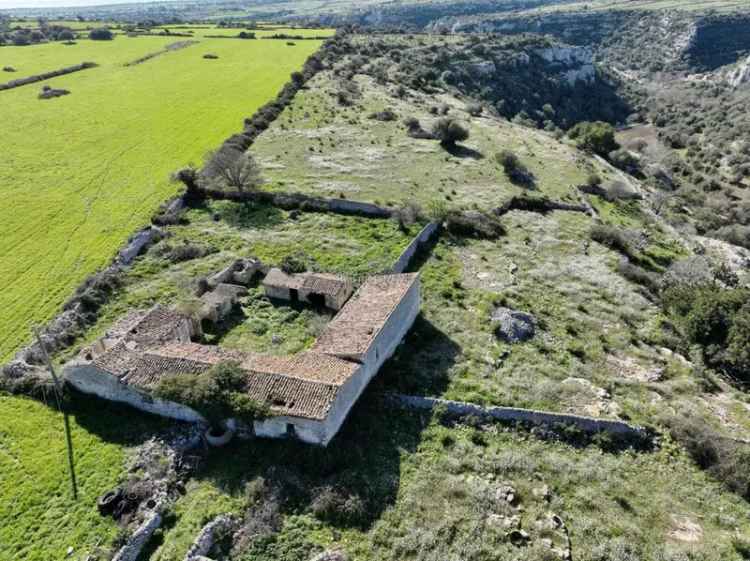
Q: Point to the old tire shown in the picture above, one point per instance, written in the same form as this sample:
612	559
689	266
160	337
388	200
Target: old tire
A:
108	502
218	441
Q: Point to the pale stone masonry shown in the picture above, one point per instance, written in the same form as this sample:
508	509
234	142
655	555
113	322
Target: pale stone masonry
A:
309	394
331	291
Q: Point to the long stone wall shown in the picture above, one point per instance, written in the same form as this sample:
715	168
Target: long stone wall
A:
46	76
462	409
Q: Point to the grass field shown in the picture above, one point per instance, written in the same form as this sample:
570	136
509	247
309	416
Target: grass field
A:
39	518
82	172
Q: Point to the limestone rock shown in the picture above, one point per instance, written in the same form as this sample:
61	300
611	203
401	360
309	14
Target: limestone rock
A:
513	326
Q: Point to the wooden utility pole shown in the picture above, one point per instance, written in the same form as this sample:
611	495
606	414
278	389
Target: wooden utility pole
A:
59	398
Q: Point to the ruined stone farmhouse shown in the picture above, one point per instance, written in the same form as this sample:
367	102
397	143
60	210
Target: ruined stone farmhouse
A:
331	291
309	394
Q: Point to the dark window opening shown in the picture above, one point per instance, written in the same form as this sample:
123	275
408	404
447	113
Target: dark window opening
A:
290	430
317	300
294	295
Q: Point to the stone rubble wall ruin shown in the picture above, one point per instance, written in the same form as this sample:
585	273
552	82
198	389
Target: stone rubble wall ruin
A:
135	544
462	409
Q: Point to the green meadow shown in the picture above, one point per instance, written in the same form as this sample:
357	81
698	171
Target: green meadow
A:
80	173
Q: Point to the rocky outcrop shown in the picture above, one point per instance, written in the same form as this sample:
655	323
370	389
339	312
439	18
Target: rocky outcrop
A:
740	76
513	326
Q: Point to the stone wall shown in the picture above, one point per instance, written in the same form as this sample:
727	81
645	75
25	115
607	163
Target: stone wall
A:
586	424
89	379
46	76
135	544
404	260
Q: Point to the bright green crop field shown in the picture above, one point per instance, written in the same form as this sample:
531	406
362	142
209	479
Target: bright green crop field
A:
80	173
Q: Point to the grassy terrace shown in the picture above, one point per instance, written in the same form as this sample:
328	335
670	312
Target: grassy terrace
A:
84	171
318	147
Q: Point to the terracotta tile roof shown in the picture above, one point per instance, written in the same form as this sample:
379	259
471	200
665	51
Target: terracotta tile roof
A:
278	278
311	367
303	385
292	396
325	284
353	329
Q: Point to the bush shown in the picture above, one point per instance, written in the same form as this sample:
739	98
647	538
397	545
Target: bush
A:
724	459
474	224
217	394
101	34
385	115
597	137
449	131
474	109
294	263
717	319
516	171
338	506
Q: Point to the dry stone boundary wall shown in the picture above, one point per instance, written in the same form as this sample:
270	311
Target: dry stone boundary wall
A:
462	409
46	76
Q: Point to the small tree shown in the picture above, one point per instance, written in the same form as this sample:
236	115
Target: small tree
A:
234	171
597	137
101	34
449	131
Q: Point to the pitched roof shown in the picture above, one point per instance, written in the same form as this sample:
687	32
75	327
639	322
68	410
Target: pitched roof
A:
357	324
292	396
159	324
321	283
311	367
278	278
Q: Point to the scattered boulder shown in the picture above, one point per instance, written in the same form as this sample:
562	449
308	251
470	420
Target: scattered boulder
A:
210	56
519	537
513	326
506	494
8	69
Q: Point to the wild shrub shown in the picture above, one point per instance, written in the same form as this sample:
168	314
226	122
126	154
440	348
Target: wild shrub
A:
474	224
614	239
516	171
385	115
717	319
474	109
414	129
294	263
338	506
449	131
186	252
726	460
597	137
217	394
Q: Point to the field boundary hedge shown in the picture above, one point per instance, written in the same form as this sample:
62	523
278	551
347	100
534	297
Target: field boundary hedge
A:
46	76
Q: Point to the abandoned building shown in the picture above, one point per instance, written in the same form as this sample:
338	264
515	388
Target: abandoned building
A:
319	289
309	394
217	304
